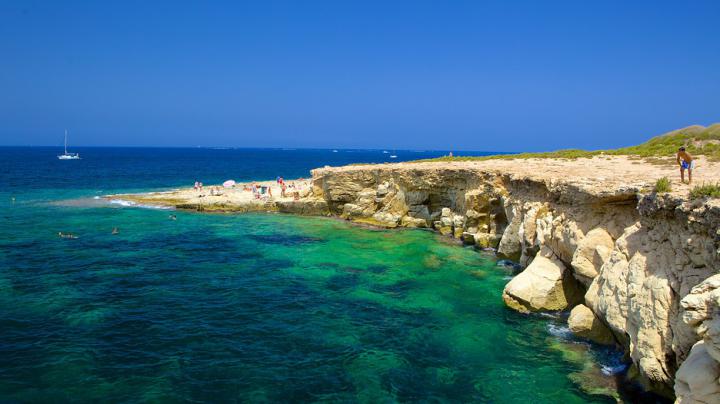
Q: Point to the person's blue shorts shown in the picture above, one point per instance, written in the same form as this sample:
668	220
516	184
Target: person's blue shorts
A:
684	165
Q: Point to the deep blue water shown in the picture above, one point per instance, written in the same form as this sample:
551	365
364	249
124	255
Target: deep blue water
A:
23	168
253	308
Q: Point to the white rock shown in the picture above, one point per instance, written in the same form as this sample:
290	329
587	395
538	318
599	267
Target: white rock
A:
697	379
592	252
544	285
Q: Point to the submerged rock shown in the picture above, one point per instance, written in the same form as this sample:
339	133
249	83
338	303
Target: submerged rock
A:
590	378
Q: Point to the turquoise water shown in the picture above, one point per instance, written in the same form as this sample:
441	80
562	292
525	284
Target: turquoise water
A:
256	307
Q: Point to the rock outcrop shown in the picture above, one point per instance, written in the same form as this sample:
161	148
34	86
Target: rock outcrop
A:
544	285
584	323
629	257
698	379
637	269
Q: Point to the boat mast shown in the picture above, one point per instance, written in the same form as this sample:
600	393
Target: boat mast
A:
65	141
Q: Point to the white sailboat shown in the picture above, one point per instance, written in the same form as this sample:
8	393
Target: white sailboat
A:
66	155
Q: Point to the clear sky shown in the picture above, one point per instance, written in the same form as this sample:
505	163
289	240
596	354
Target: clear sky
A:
475	75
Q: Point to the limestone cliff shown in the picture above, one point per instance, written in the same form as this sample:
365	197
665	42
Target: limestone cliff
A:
639	270
643	266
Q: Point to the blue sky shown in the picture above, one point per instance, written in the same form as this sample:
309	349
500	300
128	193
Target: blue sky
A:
497	76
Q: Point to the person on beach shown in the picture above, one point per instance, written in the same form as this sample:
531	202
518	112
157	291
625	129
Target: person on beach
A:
686	162
282	189
196	185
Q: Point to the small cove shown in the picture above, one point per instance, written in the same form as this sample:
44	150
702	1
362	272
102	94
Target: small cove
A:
255	307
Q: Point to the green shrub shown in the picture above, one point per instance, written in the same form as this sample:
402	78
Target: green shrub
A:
705	190
663	185
697	139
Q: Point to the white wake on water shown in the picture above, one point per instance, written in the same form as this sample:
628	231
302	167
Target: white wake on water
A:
131	204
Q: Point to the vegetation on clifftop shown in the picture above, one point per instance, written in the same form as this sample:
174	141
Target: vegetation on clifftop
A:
663	185
697	139
705	190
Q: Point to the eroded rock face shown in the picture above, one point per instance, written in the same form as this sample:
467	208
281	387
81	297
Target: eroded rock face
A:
634	258
698	380
510	244
544	285
584	323
593	251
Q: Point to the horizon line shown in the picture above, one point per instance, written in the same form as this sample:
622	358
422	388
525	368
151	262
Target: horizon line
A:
266	148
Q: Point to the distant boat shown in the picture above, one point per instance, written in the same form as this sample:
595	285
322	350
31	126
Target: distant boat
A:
392	156
385	152
335	151
66	155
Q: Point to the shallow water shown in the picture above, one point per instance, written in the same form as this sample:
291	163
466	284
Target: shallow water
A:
257	308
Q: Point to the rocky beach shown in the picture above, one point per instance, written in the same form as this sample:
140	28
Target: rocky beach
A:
636	268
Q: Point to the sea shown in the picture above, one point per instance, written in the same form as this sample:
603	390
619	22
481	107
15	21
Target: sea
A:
255	307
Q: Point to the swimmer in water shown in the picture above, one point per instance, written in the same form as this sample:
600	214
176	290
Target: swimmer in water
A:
115	230
173	217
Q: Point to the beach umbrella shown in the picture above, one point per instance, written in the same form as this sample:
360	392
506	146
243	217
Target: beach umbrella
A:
229	184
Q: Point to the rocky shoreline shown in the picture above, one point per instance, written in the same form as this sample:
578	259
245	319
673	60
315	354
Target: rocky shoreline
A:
635	269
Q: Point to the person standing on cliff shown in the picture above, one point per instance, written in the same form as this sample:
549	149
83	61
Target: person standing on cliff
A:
686	162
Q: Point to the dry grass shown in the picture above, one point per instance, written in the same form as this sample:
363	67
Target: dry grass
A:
662	185
705	190
698	140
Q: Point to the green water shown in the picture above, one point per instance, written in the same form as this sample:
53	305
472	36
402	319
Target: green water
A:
262	308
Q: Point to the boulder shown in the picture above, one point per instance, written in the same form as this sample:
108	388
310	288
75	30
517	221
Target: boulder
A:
408	221
458	221
591	253
697	379
487	240
386	219
446	221
584	323
544	285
